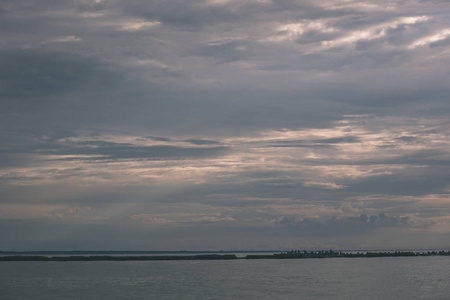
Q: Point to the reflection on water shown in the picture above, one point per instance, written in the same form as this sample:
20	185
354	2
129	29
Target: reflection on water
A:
334	278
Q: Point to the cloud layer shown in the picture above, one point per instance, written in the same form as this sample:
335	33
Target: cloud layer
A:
224	124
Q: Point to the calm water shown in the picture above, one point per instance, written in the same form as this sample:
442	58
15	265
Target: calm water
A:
334	278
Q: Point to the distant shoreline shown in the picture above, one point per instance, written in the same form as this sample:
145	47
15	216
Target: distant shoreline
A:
295	254
136	252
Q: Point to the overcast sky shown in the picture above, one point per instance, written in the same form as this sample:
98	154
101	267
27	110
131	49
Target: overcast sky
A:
224	124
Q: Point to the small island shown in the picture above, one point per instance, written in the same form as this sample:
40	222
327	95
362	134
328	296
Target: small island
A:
294	254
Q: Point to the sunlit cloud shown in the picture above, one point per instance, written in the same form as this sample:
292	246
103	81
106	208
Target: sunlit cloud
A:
373	32
293	31
441	35
137	25
357	5
325	185
225	2
92	14
65	39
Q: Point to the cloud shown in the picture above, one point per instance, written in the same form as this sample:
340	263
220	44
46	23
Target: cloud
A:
259	119
109	150
202	142
65	39
325	185
31	76
441	35
338	140
373	32
364	220
137	25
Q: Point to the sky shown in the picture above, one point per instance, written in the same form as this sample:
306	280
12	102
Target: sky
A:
224	124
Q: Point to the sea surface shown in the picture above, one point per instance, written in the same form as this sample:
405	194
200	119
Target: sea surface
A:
328	278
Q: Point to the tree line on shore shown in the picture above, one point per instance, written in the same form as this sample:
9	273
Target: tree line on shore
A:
331	253
283	255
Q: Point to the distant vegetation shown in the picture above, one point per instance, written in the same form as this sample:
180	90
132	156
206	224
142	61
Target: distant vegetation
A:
115	258
331	253
294	254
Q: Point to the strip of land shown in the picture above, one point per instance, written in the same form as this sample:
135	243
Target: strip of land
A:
283	255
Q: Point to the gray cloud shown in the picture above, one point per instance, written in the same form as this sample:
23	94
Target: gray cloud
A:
202	142
343	226
283	121
345	139
35	75
108	150
300	146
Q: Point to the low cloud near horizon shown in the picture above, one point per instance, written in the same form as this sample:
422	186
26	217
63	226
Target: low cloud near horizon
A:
223	124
